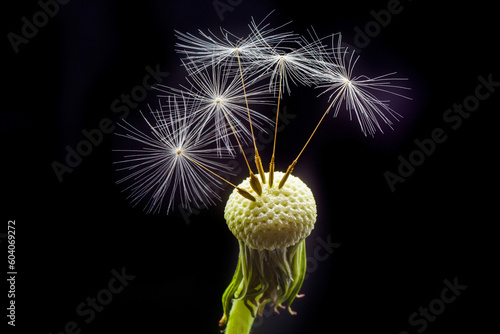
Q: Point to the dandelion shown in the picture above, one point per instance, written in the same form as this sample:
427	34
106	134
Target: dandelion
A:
167	163
201	122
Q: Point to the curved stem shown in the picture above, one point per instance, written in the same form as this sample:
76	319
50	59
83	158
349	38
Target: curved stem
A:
240	319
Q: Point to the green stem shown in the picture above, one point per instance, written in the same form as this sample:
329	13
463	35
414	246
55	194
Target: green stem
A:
240	319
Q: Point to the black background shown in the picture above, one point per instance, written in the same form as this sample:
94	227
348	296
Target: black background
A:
396	248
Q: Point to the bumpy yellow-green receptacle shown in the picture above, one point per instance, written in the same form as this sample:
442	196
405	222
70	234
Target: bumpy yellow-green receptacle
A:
279	218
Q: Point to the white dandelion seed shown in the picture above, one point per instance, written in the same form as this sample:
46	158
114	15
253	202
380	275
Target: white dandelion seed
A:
286	68
358	92
167	163
216	97
209	49
294	61
264	37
